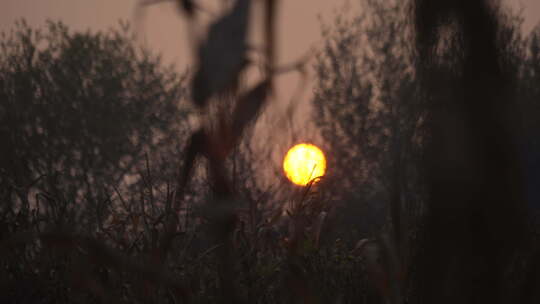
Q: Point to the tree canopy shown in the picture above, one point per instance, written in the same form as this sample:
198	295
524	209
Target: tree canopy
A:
366	100
83	107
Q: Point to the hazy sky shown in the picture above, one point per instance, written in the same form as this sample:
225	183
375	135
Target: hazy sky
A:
164	29
299	25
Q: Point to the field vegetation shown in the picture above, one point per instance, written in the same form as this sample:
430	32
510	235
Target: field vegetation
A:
124	181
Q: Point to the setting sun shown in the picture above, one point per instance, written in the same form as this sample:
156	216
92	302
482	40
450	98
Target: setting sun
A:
303	163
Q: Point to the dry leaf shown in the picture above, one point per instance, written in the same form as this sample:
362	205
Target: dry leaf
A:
249	106
188	6
194	148
222	55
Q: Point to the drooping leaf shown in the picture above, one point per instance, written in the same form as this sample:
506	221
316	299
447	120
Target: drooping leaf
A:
249	106
222	55
187	6
194	148
270	30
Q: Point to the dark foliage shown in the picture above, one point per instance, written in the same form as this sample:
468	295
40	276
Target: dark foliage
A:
428	108
82	109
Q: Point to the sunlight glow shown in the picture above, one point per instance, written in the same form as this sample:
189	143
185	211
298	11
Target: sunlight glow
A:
303	163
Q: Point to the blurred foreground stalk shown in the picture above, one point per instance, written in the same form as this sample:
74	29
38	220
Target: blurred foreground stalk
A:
476	219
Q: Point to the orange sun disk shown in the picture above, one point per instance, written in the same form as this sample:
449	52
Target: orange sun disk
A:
303	163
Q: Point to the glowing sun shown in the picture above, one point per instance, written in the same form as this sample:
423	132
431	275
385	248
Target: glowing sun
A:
303	163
